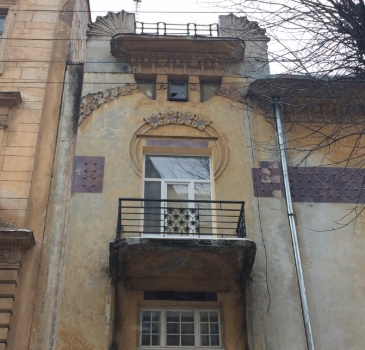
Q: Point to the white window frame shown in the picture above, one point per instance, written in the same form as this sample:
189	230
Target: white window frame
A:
165	182
163	334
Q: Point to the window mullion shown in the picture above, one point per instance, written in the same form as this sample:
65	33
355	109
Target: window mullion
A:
163	329
197	328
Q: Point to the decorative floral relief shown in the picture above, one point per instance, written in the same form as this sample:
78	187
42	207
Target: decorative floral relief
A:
92	101
180	118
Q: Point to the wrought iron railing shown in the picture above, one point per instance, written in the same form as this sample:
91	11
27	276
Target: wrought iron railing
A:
180	218
162	28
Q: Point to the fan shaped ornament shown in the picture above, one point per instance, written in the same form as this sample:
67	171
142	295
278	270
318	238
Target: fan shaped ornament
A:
110	24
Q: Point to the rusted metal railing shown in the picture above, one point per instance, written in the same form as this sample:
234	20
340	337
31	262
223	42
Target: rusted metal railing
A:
162	28
181	218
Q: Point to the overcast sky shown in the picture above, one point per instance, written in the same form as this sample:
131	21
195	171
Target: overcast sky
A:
159	7
179	12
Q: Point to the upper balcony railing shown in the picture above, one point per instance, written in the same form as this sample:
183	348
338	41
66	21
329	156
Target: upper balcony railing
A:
180	218
162	28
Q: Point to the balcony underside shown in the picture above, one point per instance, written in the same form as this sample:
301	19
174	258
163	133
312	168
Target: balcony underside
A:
188	47
181	264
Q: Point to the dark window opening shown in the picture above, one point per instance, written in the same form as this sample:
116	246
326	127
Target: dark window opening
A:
180	296
178	91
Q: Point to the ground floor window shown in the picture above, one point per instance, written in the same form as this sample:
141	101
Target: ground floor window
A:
180	328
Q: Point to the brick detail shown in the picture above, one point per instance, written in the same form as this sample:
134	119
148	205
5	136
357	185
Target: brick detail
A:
311	184
88	174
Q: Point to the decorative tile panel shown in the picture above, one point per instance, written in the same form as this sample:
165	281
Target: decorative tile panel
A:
178	143
267	180
88	174
311	184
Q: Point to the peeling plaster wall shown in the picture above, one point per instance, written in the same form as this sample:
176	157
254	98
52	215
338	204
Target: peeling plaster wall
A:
86	317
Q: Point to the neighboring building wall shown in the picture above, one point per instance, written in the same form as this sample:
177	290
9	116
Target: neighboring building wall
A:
324	189
33	51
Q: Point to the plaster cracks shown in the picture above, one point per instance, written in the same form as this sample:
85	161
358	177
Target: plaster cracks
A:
92	101
179	118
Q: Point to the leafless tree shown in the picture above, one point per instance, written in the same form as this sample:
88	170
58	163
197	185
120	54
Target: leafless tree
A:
319	48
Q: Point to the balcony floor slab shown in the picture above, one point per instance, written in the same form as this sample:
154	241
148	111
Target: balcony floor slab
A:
175	259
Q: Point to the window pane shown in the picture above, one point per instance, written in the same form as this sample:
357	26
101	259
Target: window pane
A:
155	339
213	316
187	340
173	316
202	191
173	340
150	330
209	328
187	328
146	339
155	316
204	316
179	167
155	328
208	89
146	327
204	340
173	328
187	316
177	91
2	22
152	213
204	328
214	340
214	328
146	315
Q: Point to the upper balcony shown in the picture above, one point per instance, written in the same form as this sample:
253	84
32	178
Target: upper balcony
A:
194	244
186	41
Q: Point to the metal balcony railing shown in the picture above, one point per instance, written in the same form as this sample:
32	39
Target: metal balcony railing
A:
180	218
162	28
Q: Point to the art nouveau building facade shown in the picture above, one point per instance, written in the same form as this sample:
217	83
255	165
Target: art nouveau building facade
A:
167	222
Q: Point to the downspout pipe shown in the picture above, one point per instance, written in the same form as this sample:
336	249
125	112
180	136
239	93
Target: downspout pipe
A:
293	226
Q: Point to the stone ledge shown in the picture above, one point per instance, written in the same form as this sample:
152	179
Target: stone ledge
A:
16	238
10	99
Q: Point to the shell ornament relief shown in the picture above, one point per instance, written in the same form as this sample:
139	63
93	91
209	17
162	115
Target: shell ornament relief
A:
179	118
92	101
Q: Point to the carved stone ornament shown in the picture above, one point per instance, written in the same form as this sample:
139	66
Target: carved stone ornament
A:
3	122
246	29
231	93
92	101
179	118
109	24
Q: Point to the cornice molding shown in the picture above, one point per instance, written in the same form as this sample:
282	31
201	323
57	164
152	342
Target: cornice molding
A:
92	101
178	118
